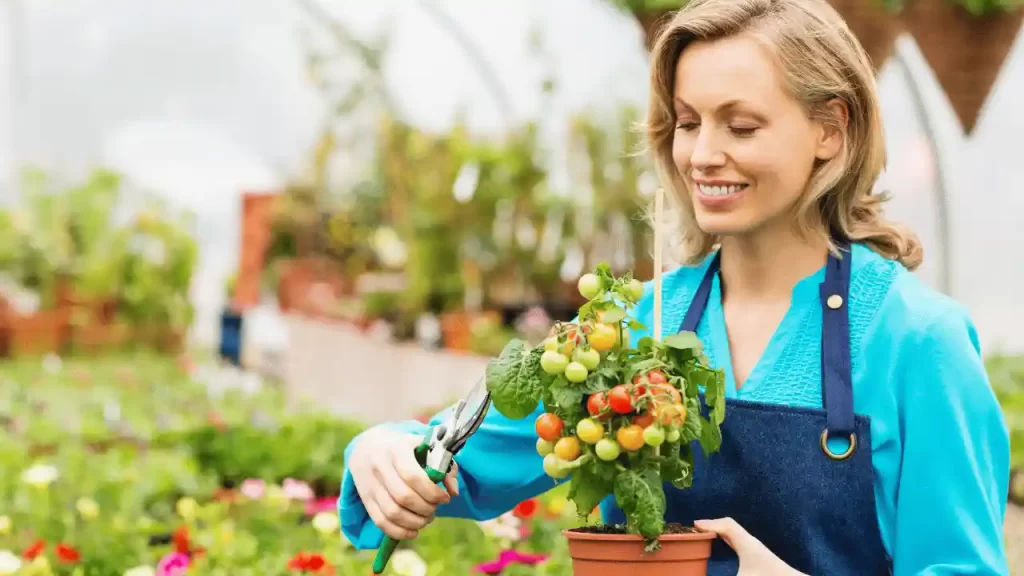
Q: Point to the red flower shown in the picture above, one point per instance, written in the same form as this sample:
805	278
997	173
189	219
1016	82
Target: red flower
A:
525	509
67	553
34	549
181	540
308	562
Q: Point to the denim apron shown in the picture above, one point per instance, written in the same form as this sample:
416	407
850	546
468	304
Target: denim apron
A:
810	503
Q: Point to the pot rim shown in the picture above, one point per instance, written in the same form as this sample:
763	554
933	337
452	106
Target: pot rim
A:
690	536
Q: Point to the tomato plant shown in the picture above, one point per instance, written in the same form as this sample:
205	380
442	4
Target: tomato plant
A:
617	418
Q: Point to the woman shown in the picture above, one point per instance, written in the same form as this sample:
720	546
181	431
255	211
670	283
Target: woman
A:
862	436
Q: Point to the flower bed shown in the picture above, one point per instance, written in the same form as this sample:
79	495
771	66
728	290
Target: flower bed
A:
146	466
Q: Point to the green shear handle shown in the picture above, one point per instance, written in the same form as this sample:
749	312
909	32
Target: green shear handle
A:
387	547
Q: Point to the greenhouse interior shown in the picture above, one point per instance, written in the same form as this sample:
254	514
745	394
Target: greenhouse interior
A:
236	236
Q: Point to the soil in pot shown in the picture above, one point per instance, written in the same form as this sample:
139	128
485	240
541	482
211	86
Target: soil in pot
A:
605	550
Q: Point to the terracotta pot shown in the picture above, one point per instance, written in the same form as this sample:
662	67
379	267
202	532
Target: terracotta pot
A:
965	51
41	333
875	28
613	554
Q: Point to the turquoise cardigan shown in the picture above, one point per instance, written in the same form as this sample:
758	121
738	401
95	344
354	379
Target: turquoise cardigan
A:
940	444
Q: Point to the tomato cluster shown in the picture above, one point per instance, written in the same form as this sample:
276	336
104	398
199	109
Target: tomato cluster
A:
649	411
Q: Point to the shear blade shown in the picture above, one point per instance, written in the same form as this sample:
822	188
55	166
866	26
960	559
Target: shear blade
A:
469	413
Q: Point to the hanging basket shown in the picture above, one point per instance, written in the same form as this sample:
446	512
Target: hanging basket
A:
875	28
965	51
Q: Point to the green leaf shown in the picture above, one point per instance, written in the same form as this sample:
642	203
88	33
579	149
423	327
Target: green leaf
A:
588	488
641	496
516	380
715	393
691	426
677	467
684	341
566	397
635	324
710	436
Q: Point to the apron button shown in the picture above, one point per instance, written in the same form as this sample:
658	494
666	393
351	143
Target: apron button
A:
834	301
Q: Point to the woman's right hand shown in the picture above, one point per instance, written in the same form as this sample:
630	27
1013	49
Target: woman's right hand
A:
396	492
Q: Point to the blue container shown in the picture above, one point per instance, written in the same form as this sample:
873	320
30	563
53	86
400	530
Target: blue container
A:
231	337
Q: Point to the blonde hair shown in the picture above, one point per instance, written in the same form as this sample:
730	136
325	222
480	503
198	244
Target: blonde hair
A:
820	60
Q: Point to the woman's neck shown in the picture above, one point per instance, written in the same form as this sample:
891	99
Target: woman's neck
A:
768	266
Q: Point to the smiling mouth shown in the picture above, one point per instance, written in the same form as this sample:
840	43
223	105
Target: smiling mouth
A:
716	191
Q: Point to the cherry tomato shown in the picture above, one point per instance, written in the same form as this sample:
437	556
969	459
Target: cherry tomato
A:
635	290
666	393
630	437
673	435
596	404
607	449
589	286
654	378
682	412
549	426
545	447
590	431
590	358
567	448
603	337
669	415
555	466
553	362
654	435
576	372
620	400
644	420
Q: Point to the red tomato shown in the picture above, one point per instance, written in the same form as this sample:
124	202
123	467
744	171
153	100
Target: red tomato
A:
620	401
596	403
549	426
654	378
667	393
644	420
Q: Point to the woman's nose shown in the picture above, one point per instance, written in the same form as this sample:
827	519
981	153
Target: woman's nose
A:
707	153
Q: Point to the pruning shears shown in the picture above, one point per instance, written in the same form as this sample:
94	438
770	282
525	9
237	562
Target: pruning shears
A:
440	445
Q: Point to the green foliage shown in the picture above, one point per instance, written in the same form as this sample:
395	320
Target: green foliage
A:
662	381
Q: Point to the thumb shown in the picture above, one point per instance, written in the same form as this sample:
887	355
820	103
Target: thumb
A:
451	480
729	530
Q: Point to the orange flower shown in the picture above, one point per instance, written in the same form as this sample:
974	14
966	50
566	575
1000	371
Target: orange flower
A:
310	562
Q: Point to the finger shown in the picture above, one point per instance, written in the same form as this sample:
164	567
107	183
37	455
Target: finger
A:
729	530
451	480
413	476
398	514
398	490
386	526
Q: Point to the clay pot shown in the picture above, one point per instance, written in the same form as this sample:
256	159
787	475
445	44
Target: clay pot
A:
966	51
613	554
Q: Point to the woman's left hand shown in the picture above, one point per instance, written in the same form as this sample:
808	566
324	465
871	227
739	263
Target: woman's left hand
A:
755	558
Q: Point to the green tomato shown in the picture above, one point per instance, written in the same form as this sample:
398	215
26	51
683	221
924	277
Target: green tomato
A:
553	362
607	449
589	286
590	431
545	447
555	467
576	372
635	290
654	435
590	358
673	435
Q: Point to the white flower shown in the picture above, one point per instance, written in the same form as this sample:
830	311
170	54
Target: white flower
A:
140	571
253	488
40	475
52	363
504	527
326	522
408	563
9	563
297	490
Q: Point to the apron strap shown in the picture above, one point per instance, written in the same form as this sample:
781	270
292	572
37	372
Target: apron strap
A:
837	379
700	299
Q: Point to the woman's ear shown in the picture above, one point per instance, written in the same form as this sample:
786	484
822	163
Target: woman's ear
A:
833	129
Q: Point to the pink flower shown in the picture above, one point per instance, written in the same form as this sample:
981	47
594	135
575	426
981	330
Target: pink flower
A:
314	507
509	557
173	564
297	489
253	488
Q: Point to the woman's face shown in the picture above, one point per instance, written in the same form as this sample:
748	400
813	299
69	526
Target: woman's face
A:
743	146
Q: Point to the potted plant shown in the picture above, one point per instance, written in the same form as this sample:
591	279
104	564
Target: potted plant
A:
619	419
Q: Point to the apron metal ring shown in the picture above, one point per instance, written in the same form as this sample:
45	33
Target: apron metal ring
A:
832	455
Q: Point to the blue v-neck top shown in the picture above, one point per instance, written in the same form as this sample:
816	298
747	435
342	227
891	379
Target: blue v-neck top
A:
940	445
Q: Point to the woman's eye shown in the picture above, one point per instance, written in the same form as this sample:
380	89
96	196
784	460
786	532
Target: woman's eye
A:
687	126
743	131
